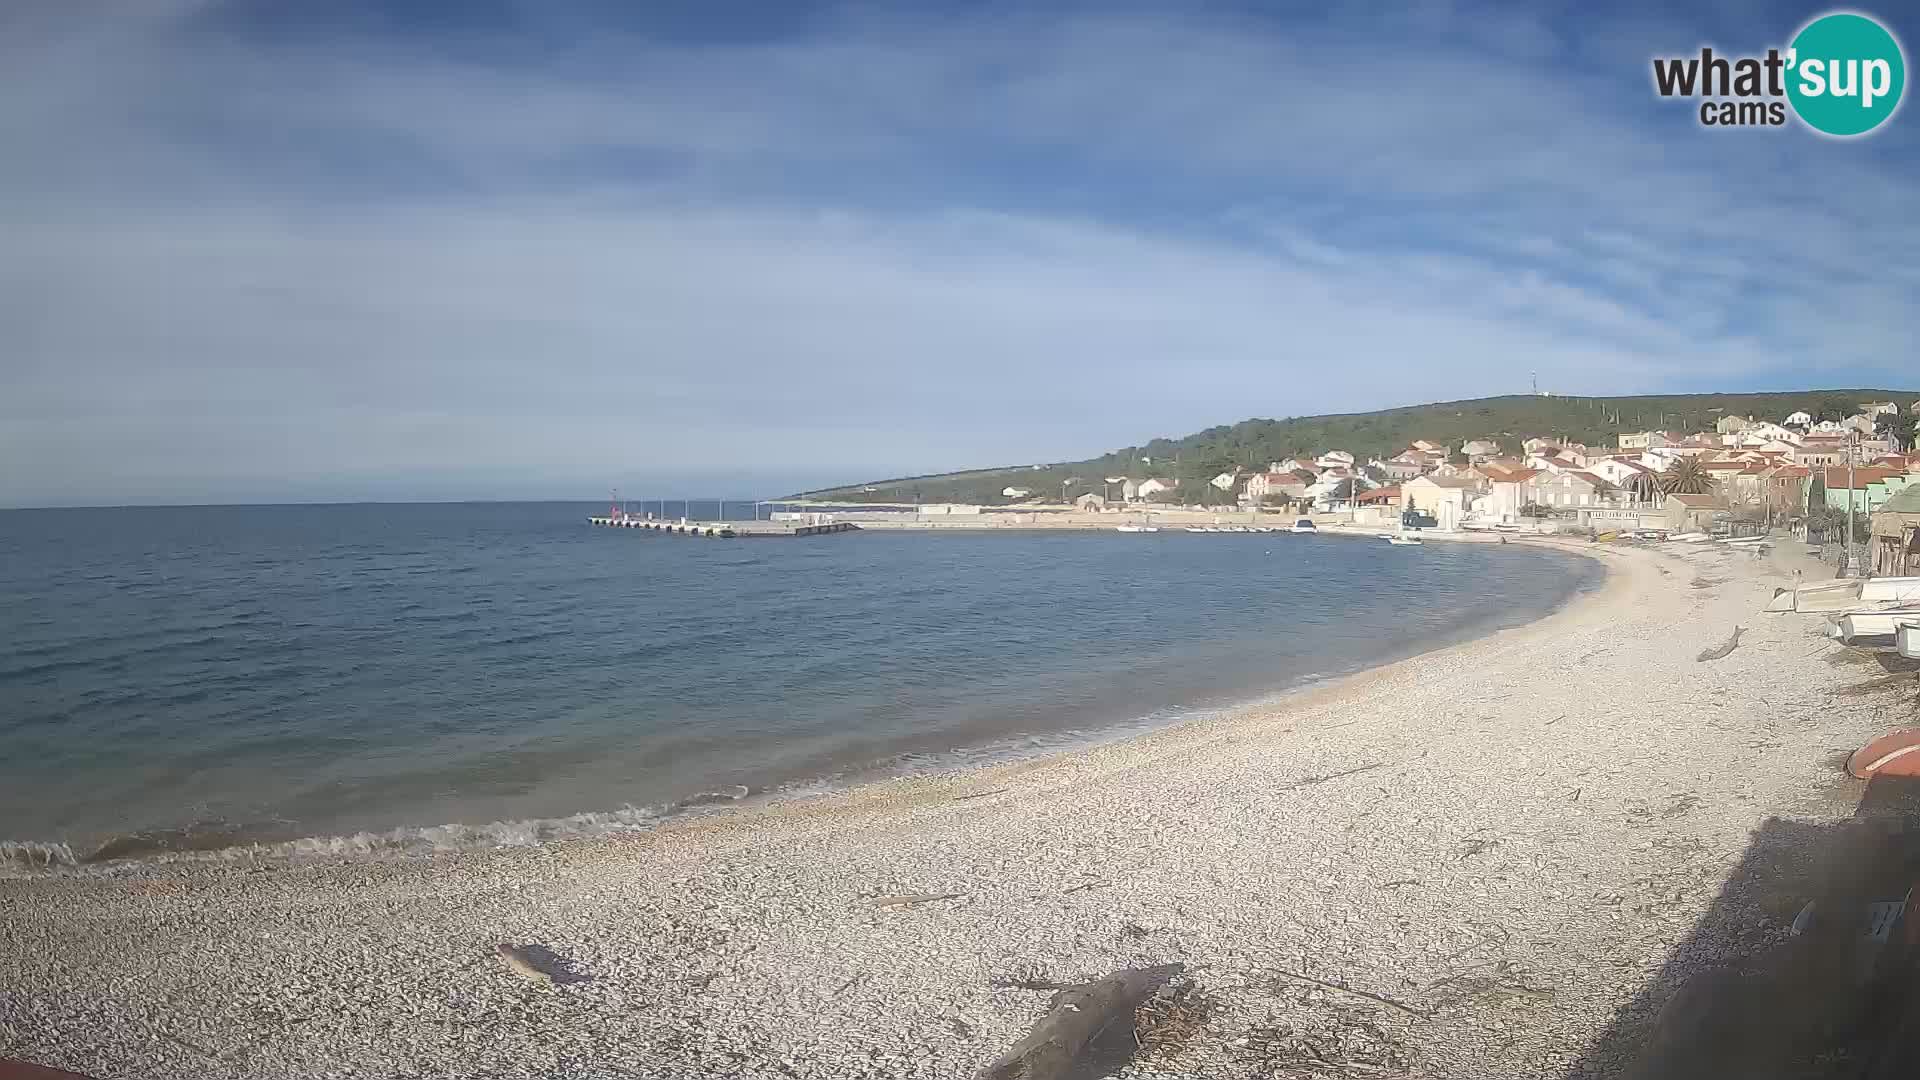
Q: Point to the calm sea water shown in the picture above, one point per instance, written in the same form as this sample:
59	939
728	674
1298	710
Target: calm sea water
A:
198	678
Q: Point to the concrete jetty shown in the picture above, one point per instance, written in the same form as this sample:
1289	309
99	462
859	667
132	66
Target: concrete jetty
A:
726	529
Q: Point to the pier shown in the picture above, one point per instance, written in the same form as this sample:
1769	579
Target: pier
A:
726	529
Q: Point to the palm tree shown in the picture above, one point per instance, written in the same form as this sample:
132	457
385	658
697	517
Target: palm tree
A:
1646	487
1686	477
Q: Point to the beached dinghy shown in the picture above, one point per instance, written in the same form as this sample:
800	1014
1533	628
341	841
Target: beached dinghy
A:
1817	596
1871	622
1907	640
1882	589
1399	541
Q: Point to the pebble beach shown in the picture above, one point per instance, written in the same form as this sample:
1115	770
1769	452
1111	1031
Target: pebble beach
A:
1494	859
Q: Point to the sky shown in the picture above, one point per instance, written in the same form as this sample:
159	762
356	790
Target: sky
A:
499	249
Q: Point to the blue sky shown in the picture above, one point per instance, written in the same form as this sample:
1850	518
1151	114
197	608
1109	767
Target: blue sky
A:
526	249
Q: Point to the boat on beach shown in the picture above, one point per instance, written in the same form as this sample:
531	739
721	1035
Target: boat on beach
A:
1136	528
1906	640
1403	541
1872	622
1303	525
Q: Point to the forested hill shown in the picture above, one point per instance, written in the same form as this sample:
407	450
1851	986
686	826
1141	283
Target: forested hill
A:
1251	444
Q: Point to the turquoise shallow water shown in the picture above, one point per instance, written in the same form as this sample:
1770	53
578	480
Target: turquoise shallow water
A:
204	677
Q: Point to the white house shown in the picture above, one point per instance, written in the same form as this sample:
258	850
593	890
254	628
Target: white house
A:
1479	450
1447	498
1765	431
1226	480
1292	464
1334	459
1154	486
1803	419
1016	493
1324	490
1440	448
1619	471
1875	408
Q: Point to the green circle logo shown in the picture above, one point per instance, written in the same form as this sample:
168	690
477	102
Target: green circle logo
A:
1846	74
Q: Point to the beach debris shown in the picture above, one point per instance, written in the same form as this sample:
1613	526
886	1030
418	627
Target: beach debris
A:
1345	989
1312	780
521	961
1719	652
1085	885
1076	1016
981	794
914	898
1170	1017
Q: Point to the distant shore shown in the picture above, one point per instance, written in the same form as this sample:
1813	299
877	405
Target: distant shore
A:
1501	840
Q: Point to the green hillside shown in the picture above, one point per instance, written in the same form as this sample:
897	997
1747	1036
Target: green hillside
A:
1253	443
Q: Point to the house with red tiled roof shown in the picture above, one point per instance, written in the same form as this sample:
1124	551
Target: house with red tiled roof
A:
1263	486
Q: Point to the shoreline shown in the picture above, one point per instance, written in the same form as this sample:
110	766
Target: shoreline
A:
23	857
1546	808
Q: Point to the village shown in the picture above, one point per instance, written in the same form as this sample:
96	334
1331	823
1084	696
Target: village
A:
1749	475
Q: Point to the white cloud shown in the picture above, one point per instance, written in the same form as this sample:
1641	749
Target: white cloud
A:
889	247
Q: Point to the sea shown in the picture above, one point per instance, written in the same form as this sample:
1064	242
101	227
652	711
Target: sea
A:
384	679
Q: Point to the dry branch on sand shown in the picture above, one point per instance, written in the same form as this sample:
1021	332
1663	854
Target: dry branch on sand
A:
1720	652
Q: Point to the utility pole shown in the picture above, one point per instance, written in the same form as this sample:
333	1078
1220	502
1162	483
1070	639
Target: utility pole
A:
1853	443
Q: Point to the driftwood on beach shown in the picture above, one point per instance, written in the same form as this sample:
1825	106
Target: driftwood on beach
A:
1076	1017
1721	652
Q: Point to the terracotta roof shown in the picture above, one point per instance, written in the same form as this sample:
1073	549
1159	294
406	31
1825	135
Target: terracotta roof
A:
1511	476
1791	470
1699	501
1862	475
1723	466
1596	481
1378	495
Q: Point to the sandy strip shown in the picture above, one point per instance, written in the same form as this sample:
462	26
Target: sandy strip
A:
1486	851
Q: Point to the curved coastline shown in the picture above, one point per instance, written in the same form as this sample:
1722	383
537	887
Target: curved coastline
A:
127	854
1558	803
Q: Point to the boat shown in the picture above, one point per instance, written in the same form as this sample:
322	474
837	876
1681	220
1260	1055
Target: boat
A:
1907	640
1839	595
1871	622
1136	528
1404	540
1303	525
1383	536
1875	590
1195	528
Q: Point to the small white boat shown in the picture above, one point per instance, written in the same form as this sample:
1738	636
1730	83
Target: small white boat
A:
1129	528
1839	595
1399	541
1890	588
1195	528
1907	640
1303	525
1383	536
1871	622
